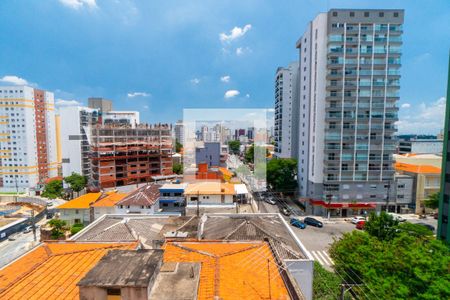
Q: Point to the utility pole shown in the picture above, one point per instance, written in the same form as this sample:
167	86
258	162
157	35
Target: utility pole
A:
388	195
198	203
33	224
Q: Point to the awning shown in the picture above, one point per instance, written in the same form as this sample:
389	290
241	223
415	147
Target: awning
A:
336	205
240	189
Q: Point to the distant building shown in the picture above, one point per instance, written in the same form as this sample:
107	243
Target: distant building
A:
209	193
171	198
286	119
179	132
101	104
426	173
426	146
28	146
209	153
143	200
123	155
403	191
75	135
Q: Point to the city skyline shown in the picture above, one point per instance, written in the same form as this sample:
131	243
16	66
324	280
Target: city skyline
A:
235	68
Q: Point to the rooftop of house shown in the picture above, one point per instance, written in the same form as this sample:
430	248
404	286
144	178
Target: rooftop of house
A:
110	200
147	229
251	227
232	270
209	188
82	202
176	280
121	268
144	196
52	270
173	186
418	169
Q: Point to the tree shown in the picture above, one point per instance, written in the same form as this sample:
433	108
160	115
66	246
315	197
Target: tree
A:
234	146
76	228
53	189
76	182
177	168
282	174
404	267
325	284
58	227
382	226
255	152
178	147
432	201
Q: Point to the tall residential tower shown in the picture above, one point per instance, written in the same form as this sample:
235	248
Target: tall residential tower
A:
348	93
286	114
27	138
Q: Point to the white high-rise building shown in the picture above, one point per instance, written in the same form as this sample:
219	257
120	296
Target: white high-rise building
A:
179	132
286	114
348	91
75	132
27	138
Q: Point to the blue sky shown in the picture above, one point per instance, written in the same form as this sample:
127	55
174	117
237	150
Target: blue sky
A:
159	57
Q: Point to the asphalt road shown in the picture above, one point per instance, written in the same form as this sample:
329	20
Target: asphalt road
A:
10	250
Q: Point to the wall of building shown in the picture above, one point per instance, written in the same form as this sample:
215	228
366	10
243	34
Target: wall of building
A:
209	199
137	209
71	215
100	211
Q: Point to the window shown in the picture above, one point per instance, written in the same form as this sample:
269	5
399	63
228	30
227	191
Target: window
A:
352	14
396	15
373	196
335	14
113	292
366	14
142	206
401	186
373	186
381	14
194	198
165	204
400	196
77	211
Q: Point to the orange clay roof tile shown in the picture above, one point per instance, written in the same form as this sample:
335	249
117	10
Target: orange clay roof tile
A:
110	200
231	270
419	169
52	270
81	202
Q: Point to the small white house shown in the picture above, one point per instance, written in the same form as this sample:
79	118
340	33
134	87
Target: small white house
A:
144	200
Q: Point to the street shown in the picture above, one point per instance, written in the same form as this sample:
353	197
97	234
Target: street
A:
10	250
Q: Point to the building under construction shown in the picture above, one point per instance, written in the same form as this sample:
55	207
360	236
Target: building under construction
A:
122	155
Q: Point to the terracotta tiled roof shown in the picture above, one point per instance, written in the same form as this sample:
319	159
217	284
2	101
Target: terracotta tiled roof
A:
210	188
110	200
419	169
52	270
231	270
81	202
146	195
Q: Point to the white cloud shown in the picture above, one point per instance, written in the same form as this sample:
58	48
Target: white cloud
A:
145	106
195	81
231	94
77	4
247	95
405	105
242	50
12	79
235	33
271	110
138	94
225	78
422	57
426	118
64	103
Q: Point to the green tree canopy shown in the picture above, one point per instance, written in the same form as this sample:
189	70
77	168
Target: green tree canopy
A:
177	168
282	173
255	151
76	182
432	201
404	267
382	226
58	228
234	146
325	284
53	189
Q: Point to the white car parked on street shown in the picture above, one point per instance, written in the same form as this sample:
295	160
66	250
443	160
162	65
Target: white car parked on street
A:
356	219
